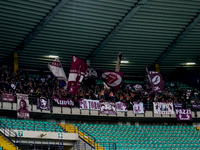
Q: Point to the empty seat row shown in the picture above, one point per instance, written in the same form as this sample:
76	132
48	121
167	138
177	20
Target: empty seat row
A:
30	125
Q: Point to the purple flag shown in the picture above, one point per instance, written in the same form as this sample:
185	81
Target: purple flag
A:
22	106
183	114
43	103
120	106
89	104
7	97
156	81
64	102
107	108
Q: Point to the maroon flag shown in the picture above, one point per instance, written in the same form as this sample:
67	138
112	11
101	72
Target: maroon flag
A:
156	80
112	79
77	72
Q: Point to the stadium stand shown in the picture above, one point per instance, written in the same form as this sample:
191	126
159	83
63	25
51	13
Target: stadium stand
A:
152	137
144	104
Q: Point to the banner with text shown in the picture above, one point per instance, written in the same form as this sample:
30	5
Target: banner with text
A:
138	108
64	102
178	105
107	108
163	108
89	104
22	106
184	114
43	103
196	106
120	106
7	97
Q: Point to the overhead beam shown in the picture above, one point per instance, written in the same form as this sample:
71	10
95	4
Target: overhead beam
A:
41	25
132	12
179	39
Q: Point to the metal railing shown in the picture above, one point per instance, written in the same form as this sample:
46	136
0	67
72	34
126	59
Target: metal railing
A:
41	145
90	140
8	132
147	106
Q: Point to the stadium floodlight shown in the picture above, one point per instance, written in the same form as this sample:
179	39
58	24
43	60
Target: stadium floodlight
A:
190	63
124	61
53	56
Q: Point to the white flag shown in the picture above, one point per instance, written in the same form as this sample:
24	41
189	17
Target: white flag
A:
56	68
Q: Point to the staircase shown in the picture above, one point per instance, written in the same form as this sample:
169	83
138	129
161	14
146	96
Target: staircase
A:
6	145
82	145
72	129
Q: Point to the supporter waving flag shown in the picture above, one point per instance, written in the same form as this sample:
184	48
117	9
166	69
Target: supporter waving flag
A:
77	72
112	79
156	81
57	70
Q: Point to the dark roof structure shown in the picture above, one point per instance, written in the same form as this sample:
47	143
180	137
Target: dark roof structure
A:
147	32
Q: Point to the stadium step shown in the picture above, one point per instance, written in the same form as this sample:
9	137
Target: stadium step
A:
72	129
7	145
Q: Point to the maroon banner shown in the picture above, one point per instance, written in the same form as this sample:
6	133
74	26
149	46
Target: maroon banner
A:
184	114
43	103
77	72
112	79
107	108
22	106
64	102
7	97
156	81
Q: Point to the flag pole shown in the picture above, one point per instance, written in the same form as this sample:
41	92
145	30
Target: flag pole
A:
119	57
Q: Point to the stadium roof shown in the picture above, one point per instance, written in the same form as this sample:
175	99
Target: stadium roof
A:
145	31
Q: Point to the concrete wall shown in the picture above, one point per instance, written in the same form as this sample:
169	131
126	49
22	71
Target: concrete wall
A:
67	138
77	111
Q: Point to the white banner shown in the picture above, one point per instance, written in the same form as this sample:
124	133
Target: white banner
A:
57	70
22	106
89	104
163	108
138	108
120	106
107	108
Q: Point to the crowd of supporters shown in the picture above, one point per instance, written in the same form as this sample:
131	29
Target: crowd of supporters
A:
45	84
